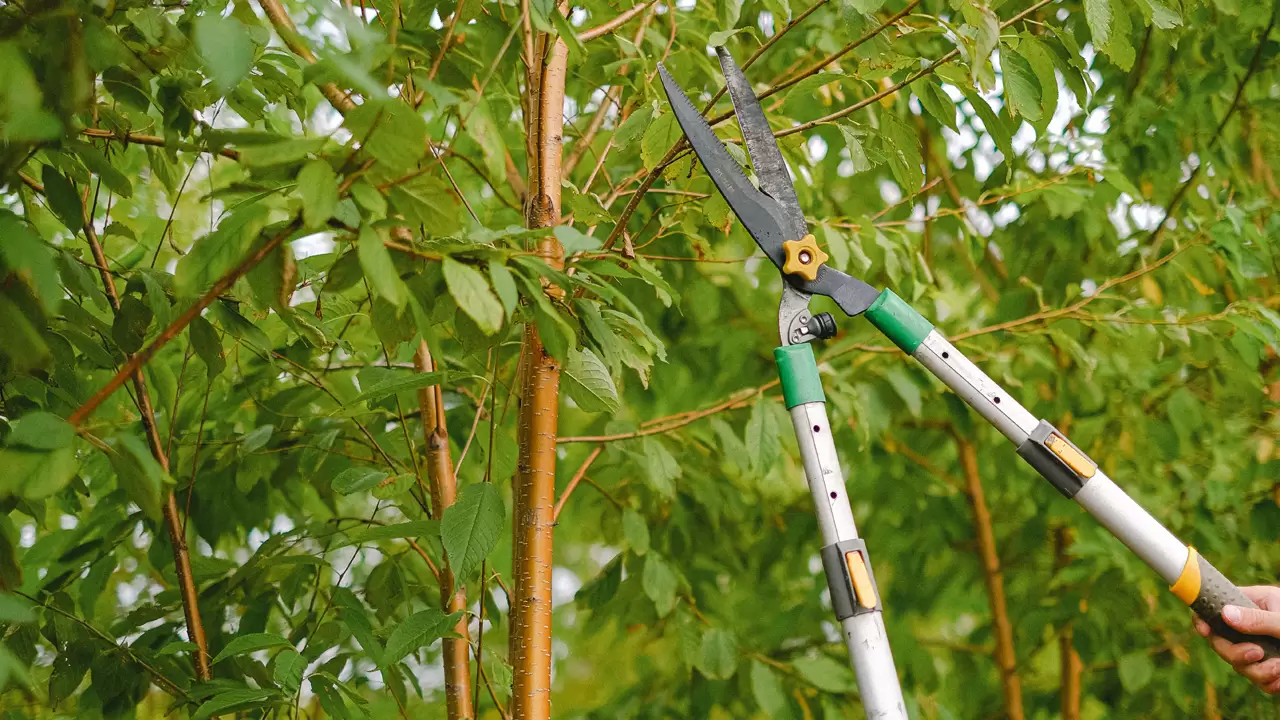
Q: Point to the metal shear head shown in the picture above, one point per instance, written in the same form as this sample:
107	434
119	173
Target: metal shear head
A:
770	213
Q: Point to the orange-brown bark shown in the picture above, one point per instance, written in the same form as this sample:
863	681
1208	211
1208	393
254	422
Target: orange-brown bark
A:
534	488
1005	657
1072	668
443	486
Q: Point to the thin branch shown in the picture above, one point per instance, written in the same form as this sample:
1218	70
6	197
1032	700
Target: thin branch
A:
154	141
288	32
443	486
620	20
673	422
573	483
448	40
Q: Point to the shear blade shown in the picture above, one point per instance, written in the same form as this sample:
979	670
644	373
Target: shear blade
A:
766	158
761	215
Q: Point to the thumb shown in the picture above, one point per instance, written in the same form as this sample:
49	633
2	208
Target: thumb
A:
1252	620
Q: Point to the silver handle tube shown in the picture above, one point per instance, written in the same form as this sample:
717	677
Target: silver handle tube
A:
854	595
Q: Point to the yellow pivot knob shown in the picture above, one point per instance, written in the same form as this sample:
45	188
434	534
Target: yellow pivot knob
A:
804	257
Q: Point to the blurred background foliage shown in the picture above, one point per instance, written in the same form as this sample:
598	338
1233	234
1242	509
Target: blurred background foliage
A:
1016	193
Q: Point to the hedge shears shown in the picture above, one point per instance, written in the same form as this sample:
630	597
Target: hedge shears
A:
771	215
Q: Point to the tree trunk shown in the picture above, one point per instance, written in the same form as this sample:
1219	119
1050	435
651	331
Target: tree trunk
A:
534	490
443	485
1072	668
1005	657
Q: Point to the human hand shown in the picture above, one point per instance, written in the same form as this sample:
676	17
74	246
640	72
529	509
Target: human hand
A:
1246	657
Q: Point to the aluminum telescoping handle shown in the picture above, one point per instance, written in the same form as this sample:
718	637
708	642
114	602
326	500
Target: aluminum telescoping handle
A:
1190	576
854	595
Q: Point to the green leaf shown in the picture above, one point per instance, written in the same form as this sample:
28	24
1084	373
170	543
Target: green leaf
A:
27	257
1160	15
902	147
217	253
252	642
226	48
636	531
357	479
766	687
232	701
720	37
157	298
1021	86
634	127
69	669
937	102
763	437
289	667
280	152
129	328
661	468
427	202
36	474
660	584
41	431
207	345
575	241
995	127
98	164
471	526
401	384
825	674
379	269
471	291
420	629
355	616
1041	61
256	439
318	188
505	286
853	134
728	12
906	389
662	134
1110	26
391	131
1136	670
63	198
139	474
1098	14
719	655
587	381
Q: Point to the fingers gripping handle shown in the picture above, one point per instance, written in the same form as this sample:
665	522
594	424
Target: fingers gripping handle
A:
1207	591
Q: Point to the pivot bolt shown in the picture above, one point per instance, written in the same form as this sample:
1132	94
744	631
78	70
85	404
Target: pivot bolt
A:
804	257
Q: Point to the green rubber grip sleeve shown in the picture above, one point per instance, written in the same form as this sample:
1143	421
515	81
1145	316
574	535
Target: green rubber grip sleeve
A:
901	324
798	372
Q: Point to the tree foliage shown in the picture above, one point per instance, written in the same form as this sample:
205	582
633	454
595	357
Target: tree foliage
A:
287	198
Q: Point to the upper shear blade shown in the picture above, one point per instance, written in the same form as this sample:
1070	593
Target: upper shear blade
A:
771	169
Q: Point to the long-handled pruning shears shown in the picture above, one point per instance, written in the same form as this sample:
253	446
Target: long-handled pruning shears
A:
771	214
